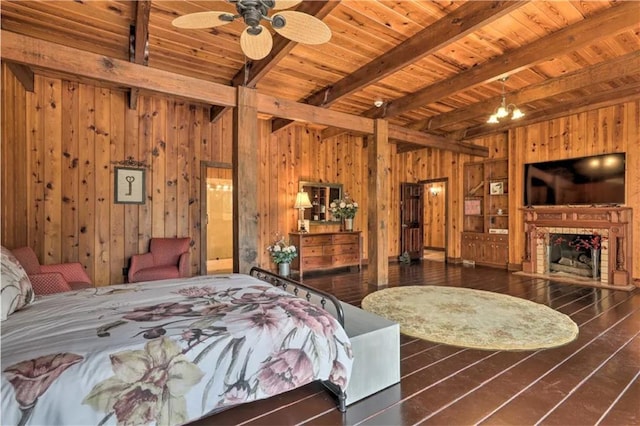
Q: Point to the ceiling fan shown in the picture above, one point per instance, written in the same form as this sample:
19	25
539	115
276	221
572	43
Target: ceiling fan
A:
256	40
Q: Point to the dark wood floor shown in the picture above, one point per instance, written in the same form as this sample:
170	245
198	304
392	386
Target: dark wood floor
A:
593	380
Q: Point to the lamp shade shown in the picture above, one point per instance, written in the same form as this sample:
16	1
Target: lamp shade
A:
302	201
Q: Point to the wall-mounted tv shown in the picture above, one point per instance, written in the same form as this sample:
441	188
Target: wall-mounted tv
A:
599	179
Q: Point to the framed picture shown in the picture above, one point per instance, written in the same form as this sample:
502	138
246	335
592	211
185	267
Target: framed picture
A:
496	188
473	207
129	186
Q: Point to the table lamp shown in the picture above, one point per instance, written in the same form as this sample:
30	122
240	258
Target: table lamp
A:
302	202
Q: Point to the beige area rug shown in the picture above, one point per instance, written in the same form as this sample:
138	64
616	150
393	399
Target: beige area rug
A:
472	318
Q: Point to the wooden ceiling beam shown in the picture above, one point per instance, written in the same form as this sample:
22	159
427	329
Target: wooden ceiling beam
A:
46	55
602	99
452	27
604	24
55	57
254	71
606	71
24	75
140	43
425	140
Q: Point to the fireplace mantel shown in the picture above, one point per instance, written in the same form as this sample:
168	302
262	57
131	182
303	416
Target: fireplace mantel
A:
614	223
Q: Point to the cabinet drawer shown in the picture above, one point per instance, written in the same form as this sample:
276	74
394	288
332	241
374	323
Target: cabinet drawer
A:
316	262
341	249
316	240
346	238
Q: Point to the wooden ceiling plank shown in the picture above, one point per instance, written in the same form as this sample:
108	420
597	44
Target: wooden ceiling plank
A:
619	67
402	134
604	24
445	31
598	100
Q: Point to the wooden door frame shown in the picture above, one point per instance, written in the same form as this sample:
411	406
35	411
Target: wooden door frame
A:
445	182
204	208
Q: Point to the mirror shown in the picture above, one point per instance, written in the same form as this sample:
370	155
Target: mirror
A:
321	195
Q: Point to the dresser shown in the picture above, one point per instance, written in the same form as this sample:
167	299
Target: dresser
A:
321	251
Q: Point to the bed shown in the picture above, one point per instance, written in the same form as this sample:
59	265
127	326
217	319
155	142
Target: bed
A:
168	352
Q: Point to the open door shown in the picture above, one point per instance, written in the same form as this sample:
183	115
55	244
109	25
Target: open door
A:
217	229
411	225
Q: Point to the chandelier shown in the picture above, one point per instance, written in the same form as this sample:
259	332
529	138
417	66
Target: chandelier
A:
505	110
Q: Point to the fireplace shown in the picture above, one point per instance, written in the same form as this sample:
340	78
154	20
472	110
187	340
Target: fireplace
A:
582	245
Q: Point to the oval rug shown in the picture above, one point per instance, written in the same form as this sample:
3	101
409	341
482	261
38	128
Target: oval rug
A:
472	318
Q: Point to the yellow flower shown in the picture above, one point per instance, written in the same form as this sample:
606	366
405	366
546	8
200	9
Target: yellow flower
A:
149	385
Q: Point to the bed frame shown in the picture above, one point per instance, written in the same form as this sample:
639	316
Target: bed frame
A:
317	297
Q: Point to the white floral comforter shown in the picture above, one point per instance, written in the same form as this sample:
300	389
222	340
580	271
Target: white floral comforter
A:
164	352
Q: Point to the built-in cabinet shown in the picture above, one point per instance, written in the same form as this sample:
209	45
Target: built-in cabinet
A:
320	251
485	238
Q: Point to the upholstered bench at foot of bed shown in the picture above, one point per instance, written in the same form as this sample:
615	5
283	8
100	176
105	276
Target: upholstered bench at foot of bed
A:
375	342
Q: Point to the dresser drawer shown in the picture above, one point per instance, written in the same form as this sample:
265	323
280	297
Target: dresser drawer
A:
345	260
345	238
341	249
316	240
316	262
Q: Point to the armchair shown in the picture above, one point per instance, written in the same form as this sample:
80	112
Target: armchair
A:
167	258
49	279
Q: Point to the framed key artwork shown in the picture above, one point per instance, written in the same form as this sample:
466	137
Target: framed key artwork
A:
129	186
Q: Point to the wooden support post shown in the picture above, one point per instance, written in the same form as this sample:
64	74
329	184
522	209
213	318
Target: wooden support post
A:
245	181
378	206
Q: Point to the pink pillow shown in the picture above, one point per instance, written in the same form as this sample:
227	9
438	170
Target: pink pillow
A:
16	287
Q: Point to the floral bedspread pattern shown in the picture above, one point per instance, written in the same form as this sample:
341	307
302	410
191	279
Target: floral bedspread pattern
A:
164	353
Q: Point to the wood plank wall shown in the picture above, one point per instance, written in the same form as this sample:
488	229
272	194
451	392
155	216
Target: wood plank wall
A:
58	145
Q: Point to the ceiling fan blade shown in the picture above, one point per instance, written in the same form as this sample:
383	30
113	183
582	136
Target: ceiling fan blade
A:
303	28
256	46
202	20
285	4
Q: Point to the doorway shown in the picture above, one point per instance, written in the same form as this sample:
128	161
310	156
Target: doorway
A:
435	216
217	231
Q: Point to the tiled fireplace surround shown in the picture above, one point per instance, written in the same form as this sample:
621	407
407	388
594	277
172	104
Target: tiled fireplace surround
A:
612	223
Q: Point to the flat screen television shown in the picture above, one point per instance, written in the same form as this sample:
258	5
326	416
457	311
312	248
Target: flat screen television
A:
599	179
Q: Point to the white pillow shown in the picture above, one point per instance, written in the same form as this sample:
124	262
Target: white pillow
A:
16	287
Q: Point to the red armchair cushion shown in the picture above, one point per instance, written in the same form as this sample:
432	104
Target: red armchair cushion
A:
168	258
48	279
167	251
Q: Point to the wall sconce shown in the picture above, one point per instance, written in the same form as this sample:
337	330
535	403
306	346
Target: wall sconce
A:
435	190
302	202
505	110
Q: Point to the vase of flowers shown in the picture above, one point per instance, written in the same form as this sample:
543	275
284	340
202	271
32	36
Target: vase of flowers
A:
282	254
345	210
